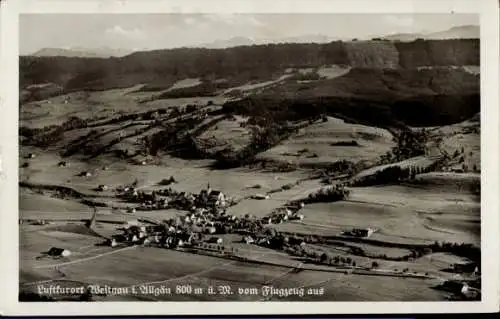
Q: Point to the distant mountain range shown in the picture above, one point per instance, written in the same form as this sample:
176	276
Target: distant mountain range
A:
242	41
461	32
82	52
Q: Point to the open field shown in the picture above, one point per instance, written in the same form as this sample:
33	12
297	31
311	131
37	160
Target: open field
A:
227	133
159	267
400	213
322	143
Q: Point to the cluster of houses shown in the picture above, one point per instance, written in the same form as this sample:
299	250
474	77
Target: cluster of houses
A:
169	198
284	214
166	236
206	216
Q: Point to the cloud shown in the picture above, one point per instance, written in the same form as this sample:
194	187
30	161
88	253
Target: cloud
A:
119	31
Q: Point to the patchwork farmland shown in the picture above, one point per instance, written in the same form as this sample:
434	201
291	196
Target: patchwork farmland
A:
214	184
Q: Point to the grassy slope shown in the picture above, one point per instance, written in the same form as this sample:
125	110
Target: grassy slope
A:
320	139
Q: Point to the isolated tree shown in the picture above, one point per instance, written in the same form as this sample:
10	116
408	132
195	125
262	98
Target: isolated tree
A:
323	258
375	264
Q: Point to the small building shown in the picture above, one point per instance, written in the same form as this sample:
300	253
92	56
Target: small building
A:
211	230
31	155
86	174
215	240
131	210
102	188
260	196
157	239
180	242
360	232
63	164
248	240
297	217
112	242
58	252
469	267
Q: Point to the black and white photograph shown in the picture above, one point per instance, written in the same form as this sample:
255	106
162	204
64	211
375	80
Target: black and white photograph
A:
252	156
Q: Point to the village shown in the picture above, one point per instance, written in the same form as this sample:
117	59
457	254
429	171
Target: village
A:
207	216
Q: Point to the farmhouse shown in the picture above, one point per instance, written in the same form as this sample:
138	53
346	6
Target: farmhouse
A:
260	196
248	240
215	240
86	174
58	252
459	288
31	155
63	164
469	267
360	232
112	242
102	188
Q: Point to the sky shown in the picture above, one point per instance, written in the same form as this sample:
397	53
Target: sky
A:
161	31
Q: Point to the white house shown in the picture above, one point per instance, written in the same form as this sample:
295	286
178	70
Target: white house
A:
248	240
260	196
58	252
